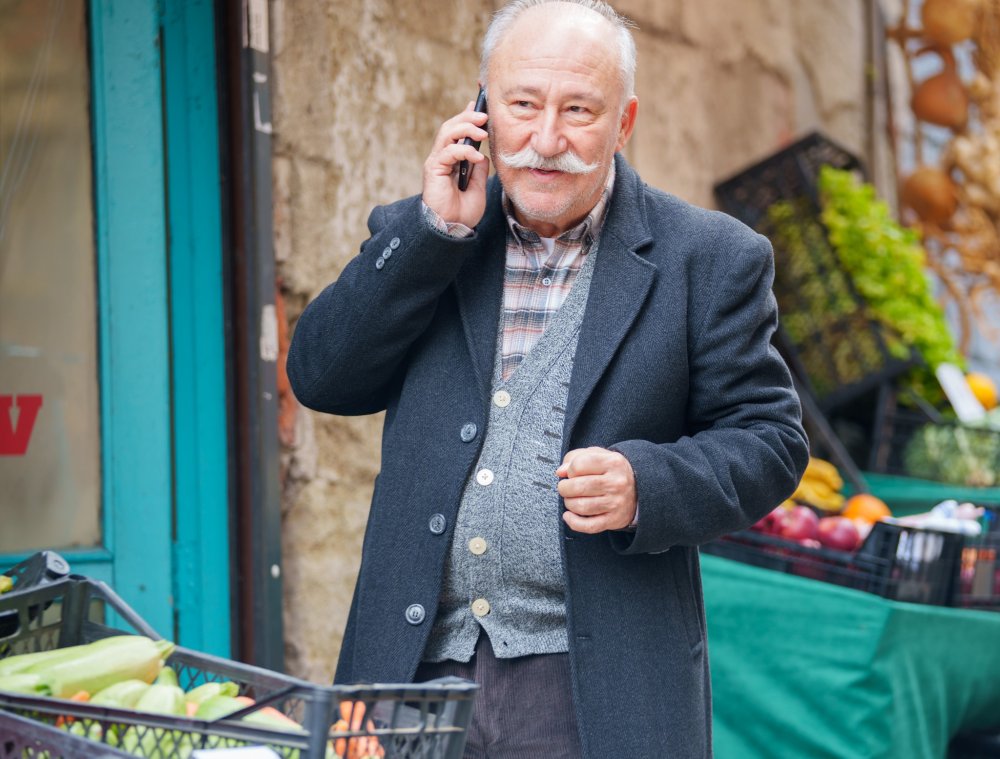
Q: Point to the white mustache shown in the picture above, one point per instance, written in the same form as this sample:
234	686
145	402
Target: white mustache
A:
528	158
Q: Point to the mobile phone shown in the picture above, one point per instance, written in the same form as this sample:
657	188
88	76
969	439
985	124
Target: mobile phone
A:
464	167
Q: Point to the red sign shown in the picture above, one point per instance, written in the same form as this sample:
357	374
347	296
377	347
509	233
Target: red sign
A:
14	440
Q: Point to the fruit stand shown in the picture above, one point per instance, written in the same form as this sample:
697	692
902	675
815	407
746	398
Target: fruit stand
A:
861	632
802	668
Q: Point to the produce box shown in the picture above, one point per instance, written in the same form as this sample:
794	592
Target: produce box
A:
22	738
909	443
979	578
895	562
826	331
428	720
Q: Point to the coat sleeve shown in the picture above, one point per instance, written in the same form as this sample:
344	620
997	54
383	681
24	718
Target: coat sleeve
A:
747	450
349	347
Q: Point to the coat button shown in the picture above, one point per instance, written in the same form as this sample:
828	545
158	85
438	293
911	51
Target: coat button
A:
480	607
484	477
468	432
437	524
501	398
379	263
415	614
477	546
394	243
387	254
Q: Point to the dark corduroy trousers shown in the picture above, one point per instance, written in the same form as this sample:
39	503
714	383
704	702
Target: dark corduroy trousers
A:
524	706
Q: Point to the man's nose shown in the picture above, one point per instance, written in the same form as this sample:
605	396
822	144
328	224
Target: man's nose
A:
548	139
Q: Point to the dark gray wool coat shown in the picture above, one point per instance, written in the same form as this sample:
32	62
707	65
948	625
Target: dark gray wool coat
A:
674	369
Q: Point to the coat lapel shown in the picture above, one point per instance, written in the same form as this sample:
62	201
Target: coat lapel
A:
479	285
621	283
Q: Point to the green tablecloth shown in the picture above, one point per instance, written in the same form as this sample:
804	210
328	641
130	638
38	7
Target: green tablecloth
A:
802	668
906	495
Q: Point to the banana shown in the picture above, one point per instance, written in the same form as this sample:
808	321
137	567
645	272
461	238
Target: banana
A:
825	471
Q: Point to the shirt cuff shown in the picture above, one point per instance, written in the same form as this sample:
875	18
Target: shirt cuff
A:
450	228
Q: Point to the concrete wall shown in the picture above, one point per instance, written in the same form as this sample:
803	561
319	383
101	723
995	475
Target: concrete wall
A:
360	89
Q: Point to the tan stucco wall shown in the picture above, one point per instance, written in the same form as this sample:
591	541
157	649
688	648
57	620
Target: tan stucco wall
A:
360	89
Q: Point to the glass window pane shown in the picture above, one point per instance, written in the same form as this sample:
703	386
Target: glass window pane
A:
49	453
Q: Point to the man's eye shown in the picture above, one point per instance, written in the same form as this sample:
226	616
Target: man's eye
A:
523	104
578	109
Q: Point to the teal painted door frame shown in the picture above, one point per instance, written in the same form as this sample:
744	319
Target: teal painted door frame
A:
164	429
201	560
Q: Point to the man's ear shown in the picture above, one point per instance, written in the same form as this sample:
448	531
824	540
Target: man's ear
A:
629	115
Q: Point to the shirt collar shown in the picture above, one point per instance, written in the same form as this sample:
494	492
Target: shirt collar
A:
591	223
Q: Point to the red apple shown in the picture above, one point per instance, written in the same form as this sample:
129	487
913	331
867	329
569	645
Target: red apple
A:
799	523
769	523
839	533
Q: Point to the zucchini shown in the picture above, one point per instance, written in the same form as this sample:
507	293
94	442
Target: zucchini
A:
33	685
123	695
100	664
21	662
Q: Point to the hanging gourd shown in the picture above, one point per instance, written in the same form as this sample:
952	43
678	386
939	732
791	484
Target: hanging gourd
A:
932	195
942	99
946	22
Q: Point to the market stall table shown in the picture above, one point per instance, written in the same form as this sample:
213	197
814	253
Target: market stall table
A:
802	668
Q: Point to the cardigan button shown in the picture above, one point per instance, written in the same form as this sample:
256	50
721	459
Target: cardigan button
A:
468	433
415	614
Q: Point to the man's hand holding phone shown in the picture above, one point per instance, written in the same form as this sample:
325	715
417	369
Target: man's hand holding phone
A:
441	190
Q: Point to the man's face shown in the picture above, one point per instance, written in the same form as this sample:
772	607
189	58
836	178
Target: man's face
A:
554	86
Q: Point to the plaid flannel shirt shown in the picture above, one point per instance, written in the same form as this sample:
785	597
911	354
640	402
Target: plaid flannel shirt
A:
536	281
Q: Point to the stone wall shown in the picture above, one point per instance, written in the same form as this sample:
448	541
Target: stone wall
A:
360	89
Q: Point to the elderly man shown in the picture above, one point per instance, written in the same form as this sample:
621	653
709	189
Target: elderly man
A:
579	389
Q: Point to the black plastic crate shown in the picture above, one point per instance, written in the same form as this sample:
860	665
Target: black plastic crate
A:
975	746
895	562
826	331
22	738
912	443
979	576
423	721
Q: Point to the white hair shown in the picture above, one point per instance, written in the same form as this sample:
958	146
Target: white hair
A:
504	18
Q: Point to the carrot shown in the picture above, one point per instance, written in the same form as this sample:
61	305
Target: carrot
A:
352	715
191	708
245	700
81	696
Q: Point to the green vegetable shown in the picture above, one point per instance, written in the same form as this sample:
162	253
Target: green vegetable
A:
34	685
98	665
6	584
887	265
161	699
217	707
957	454
167	676
206	691
22	662
122	695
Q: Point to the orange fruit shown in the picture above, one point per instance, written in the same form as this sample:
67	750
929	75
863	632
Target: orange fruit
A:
867	507
983	388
